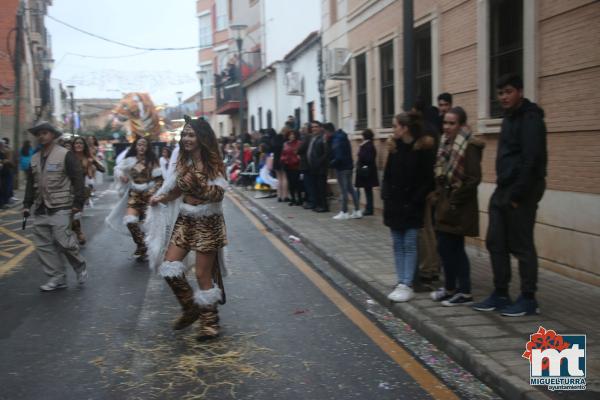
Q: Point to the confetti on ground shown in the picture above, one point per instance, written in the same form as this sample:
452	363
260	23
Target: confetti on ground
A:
169	366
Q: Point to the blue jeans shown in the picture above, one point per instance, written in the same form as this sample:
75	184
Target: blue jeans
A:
451	249
405	254
344	178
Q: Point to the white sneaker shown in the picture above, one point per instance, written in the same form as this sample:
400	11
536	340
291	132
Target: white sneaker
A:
440	294
401	293
341	216
356	214
82	276
52	285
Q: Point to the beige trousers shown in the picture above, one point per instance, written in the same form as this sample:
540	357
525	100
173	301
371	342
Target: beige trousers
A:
55	242
429	261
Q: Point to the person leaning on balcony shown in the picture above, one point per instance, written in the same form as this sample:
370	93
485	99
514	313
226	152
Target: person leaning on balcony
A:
457	175
521	161
407	179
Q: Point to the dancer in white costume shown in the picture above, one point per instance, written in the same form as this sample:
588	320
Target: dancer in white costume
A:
138	177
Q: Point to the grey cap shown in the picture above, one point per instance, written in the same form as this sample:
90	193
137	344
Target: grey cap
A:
44	126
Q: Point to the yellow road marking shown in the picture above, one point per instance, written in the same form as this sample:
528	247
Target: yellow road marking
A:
15	236
5	254
429	382
10	223
7	241
16	260
14	246
9	212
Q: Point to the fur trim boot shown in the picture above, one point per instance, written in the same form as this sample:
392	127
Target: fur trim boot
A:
209	314
174	274
137	234
76	227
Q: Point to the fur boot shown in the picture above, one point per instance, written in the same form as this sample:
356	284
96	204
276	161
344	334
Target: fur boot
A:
137	234
174	274
209	315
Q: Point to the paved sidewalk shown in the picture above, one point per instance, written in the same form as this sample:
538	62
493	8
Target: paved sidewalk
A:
487	344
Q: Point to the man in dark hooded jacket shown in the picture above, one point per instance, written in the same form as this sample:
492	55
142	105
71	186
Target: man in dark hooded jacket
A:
521	180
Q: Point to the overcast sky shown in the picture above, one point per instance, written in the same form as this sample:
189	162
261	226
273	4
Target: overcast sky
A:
144	23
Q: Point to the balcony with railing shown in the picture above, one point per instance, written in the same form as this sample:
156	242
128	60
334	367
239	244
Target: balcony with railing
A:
229	93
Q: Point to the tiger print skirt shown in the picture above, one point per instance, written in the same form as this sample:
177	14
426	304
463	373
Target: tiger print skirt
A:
139	201
199	233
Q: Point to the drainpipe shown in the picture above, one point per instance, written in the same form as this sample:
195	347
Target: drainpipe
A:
17	99
409	62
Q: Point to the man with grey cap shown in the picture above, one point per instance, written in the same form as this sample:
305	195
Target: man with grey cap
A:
55	191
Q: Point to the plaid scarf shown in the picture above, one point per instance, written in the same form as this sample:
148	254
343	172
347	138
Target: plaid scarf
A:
450	165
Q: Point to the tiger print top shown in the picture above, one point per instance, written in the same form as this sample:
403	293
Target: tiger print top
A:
142	173
196	184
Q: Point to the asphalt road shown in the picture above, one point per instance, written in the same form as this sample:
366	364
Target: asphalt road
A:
286	334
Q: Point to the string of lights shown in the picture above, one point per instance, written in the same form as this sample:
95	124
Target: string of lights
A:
121	43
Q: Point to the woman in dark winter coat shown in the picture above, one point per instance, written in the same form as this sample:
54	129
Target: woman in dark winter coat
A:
407	179
457	175
366	169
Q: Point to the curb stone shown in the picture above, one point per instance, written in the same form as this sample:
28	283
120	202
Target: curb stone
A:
483	367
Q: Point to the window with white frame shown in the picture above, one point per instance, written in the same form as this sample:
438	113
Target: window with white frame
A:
208	80
423	64
222	14
360	66
205	31
386	57
506	44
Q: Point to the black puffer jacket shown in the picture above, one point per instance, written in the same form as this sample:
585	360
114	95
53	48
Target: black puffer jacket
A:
319	154
407	179
522	154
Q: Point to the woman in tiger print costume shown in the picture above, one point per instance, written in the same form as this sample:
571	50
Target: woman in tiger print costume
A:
89	166
141	172
199	185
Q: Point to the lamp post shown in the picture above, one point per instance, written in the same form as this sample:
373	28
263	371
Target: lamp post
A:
239	32
200	73
179	95
71	92
48	64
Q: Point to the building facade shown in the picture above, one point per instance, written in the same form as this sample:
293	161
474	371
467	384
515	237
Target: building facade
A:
290	87
218	58
25	54
462	47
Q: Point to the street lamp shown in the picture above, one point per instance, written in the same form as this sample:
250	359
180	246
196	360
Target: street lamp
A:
71	92
48	64
179	95
239	31
200	73
45	89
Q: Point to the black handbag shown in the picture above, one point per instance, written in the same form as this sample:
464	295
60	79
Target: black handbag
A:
363	171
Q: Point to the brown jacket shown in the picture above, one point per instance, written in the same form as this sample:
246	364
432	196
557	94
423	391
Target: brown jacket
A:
457	210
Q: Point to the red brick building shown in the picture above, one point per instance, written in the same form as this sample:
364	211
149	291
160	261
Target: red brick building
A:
24	46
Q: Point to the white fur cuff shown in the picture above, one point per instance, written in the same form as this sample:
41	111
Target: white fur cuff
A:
156	172
130	219
207	297
171	269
